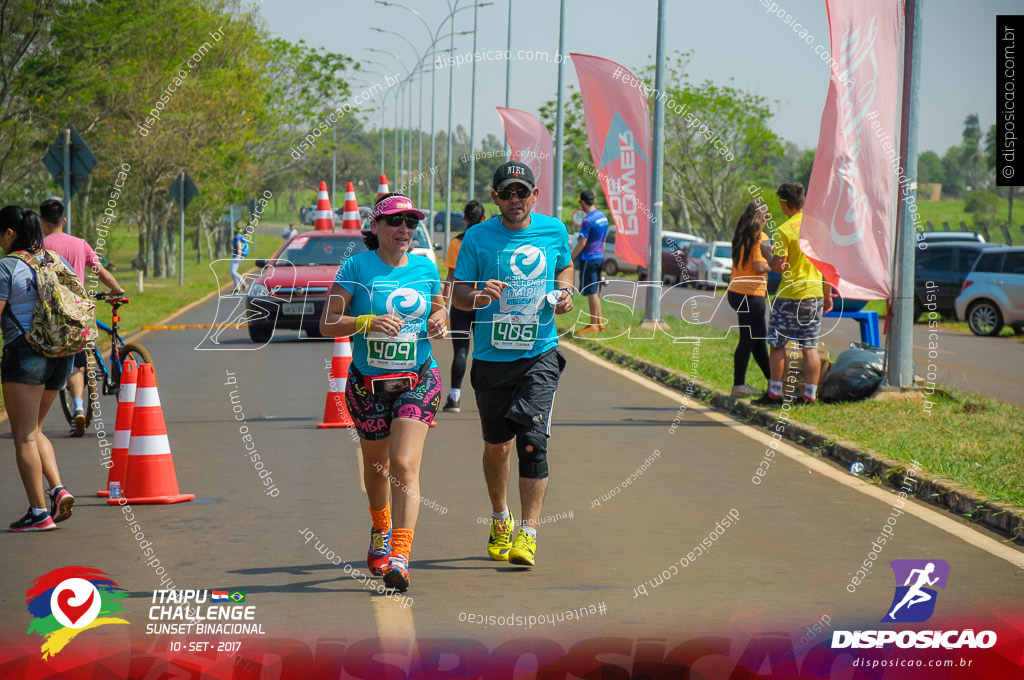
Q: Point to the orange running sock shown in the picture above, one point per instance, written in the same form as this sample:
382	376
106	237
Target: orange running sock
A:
381	518
401	542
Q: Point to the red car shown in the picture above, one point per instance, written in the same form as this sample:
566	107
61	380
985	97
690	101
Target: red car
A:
292	287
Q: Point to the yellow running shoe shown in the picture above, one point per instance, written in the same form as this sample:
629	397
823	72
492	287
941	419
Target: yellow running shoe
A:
500	541
523	550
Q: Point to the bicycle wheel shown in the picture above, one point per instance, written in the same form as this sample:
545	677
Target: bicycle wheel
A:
138	353
90	396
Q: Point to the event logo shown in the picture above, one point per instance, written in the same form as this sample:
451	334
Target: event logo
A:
530	255
618	132
914	601
406	303
69	600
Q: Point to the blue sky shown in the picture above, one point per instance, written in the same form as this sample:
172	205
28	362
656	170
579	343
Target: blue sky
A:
731	39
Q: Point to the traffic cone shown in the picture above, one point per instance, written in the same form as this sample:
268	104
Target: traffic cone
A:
382	188
350	216
335	411
149	473
324	216
122	425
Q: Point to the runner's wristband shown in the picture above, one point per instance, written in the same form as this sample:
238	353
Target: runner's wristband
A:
363	322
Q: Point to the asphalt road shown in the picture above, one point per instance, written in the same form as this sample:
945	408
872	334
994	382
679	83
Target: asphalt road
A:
786	560
992	366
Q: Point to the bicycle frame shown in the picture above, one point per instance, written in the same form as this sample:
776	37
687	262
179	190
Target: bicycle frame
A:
111	378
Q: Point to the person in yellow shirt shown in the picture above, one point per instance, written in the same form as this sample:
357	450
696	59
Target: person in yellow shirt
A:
803	297
748	287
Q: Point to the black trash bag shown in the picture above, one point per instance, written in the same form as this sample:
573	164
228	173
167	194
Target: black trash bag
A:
855	375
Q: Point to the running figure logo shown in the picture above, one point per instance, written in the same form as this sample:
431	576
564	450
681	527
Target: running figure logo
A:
914	601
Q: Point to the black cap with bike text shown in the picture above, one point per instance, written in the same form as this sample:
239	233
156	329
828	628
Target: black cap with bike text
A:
513	173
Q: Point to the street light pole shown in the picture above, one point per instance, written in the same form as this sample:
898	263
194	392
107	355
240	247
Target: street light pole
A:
472	112
434	36
508	72
451	92
559	115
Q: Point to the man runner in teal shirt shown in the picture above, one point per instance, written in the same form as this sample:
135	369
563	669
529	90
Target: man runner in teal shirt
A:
515	271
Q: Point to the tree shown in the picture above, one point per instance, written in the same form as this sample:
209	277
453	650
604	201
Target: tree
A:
577	165
715	184
970	154
991	149
930	168
984	205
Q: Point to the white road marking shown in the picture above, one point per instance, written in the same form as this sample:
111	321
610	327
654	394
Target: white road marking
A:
934	517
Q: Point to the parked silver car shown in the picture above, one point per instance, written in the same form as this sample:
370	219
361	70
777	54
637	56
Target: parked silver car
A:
993	293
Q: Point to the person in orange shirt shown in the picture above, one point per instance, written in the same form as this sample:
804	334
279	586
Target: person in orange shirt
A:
748	287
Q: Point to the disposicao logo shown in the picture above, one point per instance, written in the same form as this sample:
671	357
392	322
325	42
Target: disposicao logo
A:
70	600
914	602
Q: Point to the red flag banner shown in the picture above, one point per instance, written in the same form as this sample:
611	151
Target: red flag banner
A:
847	226
531	146
619	132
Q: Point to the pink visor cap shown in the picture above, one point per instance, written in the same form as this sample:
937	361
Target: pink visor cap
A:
394	205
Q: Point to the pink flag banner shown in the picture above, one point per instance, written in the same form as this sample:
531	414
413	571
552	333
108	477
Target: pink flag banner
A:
619	133
531	145
847	227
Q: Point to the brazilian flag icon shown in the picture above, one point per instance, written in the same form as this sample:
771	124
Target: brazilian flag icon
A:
237	596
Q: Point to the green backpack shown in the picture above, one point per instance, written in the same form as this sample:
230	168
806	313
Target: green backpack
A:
64	318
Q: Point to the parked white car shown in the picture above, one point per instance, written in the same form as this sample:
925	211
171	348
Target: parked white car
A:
716	264
423	245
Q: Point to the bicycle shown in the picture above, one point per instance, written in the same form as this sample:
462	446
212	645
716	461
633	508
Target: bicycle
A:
96	368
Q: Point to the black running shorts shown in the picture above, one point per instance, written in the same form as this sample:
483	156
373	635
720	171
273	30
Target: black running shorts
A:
516	396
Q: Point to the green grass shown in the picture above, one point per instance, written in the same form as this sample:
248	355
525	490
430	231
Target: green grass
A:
969	438
162	297
952	211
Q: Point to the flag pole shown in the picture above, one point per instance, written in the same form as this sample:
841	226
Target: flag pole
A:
900	339
653	306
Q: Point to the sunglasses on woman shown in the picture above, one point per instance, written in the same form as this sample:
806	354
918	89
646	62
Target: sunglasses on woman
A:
521	192
398	220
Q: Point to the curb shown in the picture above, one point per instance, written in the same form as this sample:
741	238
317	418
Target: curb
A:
933	489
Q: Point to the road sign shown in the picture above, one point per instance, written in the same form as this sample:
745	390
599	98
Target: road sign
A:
190	190
184	190
82	160
70	161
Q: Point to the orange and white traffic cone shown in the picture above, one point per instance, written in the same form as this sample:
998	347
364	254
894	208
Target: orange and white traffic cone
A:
149	473
335	411
324	216
122	425
350	215
382	188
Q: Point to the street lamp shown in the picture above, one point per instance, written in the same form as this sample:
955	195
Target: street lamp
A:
472	107
381	117
398	109
434	36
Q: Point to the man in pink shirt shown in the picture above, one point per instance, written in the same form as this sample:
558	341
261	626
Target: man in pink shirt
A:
80	254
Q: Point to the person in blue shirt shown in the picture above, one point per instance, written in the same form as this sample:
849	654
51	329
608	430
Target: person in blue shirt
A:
516	272
590	251
239	251
390	302
30	381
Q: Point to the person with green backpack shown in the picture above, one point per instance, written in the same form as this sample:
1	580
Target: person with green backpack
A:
45	318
